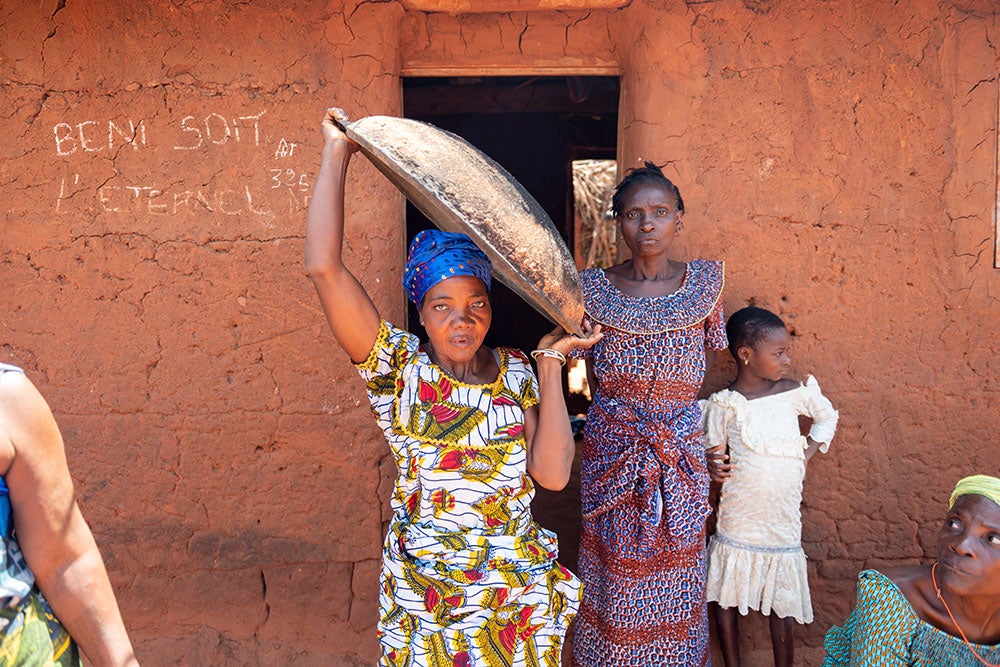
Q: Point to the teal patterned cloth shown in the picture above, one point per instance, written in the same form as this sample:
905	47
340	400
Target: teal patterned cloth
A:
883	630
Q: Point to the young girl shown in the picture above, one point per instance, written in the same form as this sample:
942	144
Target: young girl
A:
755	558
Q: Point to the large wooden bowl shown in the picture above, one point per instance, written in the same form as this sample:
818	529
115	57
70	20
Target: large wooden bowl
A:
460	189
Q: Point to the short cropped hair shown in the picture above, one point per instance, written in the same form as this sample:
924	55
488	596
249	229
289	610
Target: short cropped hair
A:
748	326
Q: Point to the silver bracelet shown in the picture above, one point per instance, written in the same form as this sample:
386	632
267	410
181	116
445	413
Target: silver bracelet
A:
549	352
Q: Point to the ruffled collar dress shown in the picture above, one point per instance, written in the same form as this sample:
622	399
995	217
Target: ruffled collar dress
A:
755	557
644	480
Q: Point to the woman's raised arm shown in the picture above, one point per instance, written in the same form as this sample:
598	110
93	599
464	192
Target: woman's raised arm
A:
348	308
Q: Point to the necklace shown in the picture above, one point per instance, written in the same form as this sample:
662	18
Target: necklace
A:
434	360
954	622
432	355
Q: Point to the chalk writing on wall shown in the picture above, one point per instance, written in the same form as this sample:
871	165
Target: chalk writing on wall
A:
261	191
285	149
216	129
90	136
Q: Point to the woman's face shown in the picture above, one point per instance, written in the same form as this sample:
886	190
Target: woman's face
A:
649	218
456	315
969	547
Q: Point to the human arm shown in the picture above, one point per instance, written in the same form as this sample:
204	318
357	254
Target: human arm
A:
715	333
879	629
812	447
57	544
547	432
824	419
710	357
348	308
719	467
717	418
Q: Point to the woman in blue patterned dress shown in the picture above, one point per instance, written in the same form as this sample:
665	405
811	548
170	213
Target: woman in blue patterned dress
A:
947	613
468	578
644	481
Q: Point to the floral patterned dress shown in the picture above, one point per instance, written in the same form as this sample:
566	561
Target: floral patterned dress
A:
468	578
644	480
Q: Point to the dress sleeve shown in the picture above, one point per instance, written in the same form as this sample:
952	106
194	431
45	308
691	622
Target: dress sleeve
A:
392	348
821	411
878	631
525	378
717	418
715	329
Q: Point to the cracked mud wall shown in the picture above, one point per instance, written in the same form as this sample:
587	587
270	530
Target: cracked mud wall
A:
156	167
842	162
157	161
841	158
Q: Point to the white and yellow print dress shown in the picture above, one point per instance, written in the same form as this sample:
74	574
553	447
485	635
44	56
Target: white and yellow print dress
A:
468	578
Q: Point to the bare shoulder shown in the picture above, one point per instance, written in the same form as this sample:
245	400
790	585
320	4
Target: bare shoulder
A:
911	580
19	399
27	426
22	408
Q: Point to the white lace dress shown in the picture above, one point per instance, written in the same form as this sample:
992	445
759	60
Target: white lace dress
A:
755	558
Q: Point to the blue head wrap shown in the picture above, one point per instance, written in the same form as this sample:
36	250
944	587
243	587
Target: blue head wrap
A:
435	256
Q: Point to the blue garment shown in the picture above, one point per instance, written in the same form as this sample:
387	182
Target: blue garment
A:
4	507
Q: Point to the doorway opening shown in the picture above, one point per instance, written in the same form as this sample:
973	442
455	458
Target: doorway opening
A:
535	127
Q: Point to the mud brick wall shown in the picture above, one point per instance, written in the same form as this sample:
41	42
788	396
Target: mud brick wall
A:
157	161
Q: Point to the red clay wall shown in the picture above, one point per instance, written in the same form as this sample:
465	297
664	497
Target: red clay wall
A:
158	159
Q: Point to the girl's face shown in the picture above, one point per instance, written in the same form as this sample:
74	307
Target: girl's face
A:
769	360
969	547
456	315
649	218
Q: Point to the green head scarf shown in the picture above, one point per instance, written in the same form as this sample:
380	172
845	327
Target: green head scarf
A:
979	485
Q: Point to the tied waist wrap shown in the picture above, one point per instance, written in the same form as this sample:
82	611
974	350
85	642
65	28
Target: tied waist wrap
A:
659	464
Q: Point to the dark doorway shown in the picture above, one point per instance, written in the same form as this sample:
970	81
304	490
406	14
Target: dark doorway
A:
534	127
